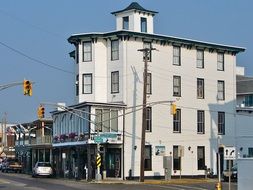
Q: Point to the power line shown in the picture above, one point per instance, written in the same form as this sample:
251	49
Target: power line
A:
34	59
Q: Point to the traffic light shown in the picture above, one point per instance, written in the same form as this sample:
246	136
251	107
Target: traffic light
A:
41	112
173	109
27	88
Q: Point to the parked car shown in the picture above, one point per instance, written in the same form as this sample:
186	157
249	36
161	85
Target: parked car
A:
12	164
233	174
42	169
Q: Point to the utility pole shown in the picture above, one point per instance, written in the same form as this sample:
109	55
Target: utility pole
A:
146	52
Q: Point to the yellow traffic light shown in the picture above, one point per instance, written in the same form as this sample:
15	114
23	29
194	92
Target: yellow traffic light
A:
27	88
173	109
41	112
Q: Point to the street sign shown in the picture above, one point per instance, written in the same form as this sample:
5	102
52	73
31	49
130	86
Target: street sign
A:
229	153
98	139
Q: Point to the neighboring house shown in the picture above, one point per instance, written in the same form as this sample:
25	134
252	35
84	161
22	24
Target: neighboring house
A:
244	109
34	142
7	140
199	76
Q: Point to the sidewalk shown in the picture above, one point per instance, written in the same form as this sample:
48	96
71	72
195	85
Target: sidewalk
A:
153	181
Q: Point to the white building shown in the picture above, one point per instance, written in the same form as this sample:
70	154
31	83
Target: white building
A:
199	76
244	109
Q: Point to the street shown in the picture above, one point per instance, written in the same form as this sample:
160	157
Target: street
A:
12	181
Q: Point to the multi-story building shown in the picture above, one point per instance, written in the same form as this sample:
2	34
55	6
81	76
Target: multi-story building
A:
244	109
198	76
34	142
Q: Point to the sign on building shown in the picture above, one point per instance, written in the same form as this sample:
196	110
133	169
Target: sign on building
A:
229	153
160	150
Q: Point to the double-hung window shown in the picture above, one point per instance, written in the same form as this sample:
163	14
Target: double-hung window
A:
149	119
87	83
176	158
125	23
201	157
148	158
176	86
200	88
115	82
176	55
114	50
143	24
200	122
87	51
149	83
177	121
221	123
220	61
221	90
200	59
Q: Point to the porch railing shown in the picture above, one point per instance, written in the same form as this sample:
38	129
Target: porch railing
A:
42	140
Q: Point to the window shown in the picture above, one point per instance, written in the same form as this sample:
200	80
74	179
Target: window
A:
177	121
148	158
176	86
221	90
148	46
149	119
106	120
221	123
125	23
176	158
248	100
200	59
149	83
98	120
114	120
200	88
87	83
87	51
250	152
115	82
200	122
114	49
77	85
77	53
220	61
176	55
143	24
201	157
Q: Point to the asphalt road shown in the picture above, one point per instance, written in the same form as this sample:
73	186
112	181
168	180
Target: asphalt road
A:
12	181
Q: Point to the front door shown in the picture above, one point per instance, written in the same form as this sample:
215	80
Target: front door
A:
113	162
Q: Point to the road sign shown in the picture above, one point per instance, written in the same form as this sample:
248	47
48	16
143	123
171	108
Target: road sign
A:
98	139
98	160
229	153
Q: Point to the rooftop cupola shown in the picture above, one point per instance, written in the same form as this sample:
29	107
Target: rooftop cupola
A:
135	18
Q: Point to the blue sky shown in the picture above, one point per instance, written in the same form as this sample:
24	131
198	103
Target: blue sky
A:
39	29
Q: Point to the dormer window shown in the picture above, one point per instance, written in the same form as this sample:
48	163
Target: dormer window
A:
143	24
125	23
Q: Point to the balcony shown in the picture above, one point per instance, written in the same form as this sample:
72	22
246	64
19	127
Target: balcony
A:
41	140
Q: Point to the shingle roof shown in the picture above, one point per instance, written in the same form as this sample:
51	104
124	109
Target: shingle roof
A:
135	6
244	85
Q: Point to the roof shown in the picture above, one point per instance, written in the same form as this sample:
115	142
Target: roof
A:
135	7
244	85
84	104
163	39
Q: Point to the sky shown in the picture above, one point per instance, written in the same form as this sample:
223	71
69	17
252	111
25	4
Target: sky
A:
34	46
